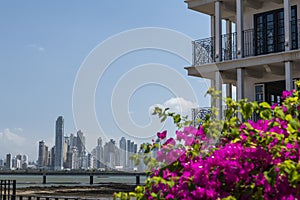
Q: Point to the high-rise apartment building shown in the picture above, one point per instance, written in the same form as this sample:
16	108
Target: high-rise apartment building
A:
59	143
1	164
98	154
8	163
24	161
123	152
43	154
80	144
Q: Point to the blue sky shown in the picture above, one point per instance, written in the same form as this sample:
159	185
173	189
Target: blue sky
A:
44	43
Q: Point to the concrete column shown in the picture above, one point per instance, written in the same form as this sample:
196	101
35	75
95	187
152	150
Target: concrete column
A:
218	83
240	28
240	88
218	31
212	26
288	75
240	83
287	25
229	90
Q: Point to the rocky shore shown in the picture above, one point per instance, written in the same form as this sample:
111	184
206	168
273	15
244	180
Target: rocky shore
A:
97	191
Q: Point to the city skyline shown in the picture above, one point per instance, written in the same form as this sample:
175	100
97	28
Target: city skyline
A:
44	46
69	152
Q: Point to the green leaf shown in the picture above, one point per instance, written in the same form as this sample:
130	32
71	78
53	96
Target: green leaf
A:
177	118
265	105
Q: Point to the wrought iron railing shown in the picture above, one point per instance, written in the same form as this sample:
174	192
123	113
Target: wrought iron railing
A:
229	48
249	48
7	189
204	51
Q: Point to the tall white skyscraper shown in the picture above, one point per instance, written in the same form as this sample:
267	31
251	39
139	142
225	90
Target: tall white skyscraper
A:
59	143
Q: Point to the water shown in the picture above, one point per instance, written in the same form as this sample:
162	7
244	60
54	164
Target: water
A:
24	181
56	180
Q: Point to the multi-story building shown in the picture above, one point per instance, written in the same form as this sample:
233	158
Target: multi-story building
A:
80	144
257	51
43	155
98	153
24	161
59	143
66	149
8	163
111	154
123	152
1	164
51	159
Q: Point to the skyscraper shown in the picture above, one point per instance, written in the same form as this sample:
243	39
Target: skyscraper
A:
123	152
99	154
80	143
43	154
59	143
8	164
81	149
24	161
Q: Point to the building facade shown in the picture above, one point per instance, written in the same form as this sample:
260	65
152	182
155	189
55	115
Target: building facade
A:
254	45
43	155
8	163
59	144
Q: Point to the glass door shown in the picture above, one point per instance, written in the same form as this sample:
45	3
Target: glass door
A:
269	31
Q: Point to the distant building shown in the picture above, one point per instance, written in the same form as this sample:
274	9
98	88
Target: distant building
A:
59	143
123	152
90	164
17	164
8	163
80	144
66	148
130	152
43	155
73	140
98	154
51	159
1	164
111	154
74	158
24	161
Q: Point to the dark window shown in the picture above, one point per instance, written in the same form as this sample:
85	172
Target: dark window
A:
269	31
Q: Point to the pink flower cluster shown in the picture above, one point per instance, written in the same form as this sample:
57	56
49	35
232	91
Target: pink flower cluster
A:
246	166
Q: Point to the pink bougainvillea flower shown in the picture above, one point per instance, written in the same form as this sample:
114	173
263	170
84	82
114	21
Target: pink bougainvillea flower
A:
162	135
170	141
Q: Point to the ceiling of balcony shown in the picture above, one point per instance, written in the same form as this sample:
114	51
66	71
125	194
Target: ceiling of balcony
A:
228	6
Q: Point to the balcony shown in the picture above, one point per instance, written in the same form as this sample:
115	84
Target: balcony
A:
254	45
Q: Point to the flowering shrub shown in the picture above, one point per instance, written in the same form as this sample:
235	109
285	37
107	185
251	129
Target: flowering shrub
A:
229	159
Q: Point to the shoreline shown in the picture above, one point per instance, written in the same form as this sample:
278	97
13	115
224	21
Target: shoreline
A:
105	190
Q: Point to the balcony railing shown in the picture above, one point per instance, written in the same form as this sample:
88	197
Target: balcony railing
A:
204	49
229	50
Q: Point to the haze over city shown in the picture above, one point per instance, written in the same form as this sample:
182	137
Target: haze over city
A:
43	47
